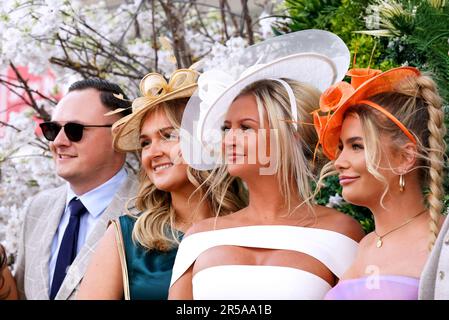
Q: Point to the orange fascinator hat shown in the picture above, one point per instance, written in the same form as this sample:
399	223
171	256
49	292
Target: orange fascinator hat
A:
365	83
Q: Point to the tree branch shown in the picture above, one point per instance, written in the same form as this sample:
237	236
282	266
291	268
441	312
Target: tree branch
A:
223	19
231	14
176	26
155	45
5	124
29	92
203	26
246	19
10	84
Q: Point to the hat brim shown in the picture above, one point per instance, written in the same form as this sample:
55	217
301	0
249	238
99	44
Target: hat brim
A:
383	82
126	131
314	69
315	57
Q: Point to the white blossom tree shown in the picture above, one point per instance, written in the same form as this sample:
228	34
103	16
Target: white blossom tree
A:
122	43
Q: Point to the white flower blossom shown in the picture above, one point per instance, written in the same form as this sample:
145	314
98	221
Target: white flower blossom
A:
31	32
223	57
335	201
266	22
25	170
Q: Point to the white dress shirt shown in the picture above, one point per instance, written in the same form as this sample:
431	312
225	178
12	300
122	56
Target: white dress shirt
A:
96	201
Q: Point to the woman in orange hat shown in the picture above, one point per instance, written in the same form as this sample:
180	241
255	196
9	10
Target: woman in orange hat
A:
384	135
134	260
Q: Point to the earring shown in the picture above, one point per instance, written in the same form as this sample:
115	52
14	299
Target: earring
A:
401	182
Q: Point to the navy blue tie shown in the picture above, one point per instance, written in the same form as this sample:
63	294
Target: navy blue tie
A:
67	250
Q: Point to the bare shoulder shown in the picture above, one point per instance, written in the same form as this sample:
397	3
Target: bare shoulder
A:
106	250
334	220
109	237
8	289
367	242
201	226
442	222
215	223
103	279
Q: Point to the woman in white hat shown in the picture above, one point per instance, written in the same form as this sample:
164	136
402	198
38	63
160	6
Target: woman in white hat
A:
282	246
134	260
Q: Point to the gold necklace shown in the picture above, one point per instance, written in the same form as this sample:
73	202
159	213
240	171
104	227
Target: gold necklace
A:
379	241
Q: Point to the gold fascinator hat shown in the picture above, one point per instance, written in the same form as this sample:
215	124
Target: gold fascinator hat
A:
155	90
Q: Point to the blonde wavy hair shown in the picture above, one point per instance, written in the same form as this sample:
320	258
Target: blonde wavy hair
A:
155	220
416	104
294	165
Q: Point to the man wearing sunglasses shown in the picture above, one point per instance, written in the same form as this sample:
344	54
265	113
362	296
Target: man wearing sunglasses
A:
62	226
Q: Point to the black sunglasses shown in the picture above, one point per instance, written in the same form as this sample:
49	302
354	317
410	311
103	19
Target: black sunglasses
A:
73	130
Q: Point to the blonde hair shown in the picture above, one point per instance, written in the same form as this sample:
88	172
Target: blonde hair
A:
154	227
294	147
416	103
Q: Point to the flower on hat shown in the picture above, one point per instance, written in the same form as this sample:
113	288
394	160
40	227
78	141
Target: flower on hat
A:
155	90
334	102
212	84
337	95
154	86
361	75
334	96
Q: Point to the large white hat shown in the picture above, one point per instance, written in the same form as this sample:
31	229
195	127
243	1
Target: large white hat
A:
319	58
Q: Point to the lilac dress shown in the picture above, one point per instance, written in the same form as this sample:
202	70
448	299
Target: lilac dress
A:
380	287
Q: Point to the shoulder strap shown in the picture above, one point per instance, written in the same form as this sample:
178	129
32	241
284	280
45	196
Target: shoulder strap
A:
121	252
333	249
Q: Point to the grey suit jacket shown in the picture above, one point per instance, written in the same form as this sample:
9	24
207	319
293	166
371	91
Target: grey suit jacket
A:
434	282
42	217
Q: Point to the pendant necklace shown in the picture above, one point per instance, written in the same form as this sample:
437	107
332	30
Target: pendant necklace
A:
379	241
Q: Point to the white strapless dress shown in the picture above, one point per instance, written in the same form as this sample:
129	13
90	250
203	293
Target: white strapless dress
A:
261	282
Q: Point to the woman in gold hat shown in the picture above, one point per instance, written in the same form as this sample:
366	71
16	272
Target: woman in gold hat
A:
135	258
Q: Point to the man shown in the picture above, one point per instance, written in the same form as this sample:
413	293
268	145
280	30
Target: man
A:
434	282
62	226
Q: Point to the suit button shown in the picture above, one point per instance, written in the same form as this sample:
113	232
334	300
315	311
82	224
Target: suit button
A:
441	273
446	242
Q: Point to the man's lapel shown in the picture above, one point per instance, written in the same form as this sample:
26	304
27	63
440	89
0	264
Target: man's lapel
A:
115	209
44	234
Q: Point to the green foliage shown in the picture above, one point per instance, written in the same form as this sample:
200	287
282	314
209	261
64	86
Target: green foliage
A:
420	32
311	14
418	36
342	17
430	38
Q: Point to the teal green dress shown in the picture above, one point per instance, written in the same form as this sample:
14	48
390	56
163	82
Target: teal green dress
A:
149	271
